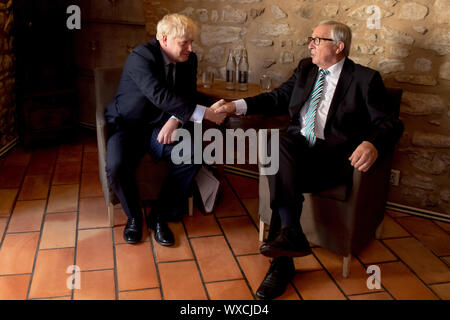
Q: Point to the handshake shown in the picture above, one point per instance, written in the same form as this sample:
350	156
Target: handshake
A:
218	112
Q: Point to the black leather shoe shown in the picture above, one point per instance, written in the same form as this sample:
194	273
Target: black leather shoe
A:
290	242
133	231
280	273
163	235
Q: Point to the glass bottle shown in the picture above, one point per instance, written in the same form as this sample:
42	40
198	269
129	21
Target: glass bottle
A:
243	71
231	72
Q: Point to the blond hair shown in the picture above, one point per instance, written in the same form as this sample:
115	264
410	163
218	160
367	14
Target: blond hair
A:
176	26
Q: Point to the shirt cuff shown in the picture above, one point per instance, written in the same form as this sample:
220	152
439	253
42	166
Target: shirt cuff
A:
241	107
198	114
173	117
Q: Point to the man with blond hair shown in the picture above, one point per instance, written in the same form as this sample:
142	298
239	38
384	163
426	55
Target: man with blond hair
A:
157	92
341	120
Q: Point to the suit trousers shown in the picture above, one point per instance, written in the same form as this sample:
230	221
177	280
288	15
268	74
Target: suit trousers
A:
304	169
124	151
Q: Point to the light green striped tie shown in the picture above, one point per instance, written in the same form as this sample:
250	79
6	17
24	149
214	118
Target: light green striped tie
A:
310	118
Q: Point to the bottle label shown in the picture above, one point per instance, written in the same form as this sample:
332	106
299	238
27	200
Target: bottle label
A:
230	76
243	76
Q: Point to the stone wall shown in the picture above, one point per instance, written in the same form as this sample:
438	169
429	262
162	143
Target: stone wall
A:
8	131
409	44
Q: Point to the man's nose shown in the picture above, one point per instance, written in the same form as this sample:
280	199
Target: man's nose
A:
311	44
190	47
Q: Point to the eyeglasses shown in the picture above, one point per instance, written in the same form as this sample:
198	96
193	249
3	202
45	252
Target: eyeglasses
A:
317	40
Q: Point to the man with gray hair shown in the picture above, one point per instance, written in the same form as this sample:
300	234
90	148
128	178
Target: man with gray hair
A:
157	92
340	121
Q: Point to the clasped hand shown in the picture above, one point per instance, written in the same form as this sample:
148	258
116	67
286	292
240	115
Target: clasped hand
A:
364	156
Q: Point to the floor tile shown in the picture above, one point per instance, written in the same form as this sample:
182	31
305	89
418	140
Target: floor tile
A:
375	252
229	290
179	251
90	185
391	229
442	290
148	294
242	234
372	296
8	196
27	216
3	222
17	157
446	260
35	187
355	283
50	277
59	231
42	162
135	267
443	225
229	205
96	285
17	253
14	287
255	268
203	225
12	176
67	173
424	263
396	214
317	285
428	233
215	259
93	213
69	152
90	162
307	263
95	249
245	187
402	283
251	204
181	281
63	198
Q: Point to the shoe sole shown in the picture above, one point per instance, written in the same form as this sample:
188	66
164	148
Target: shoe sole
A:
276	253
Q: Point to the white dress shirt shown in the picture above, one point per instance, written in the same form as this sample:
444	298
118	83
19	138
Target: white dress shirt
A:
329	87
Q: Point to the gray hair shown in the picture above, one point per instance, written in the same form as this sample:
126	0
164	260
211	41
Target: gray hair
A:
176	26
340	32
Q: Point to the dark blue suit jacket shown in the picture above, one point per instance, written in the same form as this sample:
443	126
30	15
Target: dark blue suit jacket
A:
144	97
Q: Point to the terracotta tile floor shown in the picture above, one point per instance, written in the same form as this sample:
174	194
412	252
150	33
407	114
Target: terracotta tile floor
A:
53	217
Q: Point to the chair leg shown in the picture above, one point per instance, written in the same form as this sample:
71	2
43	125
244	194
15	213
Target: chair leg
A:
379	231
261	230
191	206
346	266
111	214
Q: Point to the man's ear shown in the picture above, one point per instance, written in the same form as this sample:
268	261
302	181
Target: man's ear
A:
164	41
340	47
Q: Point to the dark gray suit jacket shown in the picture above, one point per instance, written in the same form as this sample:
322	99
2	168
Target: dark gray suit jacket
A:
360	109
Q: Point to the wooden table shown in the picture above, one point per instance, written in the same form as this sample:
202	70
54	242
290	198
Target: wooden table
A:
255	121
219	91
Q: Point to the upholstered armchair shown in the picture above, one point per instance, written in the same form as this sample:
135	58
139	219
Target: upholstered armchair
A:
345	218
149	175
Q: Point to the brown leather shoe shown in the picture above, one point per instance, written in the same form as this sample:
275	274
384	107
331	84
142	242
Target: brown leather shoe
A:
290	242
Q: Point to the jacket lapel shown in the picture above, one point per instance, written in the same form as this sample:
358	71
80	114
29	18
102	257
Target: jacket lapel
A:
345	79
307	86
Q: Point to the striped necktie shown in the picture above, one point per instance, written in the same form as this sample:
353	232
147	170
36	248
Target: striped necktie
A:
310	118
